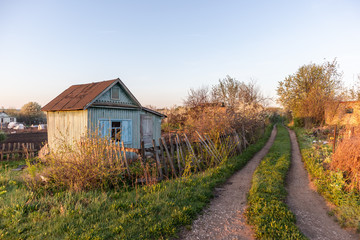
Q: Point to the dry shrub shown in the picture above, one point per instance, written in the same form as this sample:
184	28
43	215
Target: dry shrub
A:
92	163
347	159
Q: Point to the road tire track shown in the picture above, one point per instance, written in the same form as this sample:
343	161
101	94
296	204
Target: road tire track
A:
224	218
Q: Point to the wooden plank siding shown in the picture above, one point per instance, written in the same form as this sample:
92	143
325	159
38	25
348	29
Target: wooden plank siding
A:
66	125
156	127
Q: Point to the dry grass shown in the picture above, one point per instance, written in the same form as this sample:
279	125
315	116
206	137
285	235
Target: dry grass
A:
91	163
347	159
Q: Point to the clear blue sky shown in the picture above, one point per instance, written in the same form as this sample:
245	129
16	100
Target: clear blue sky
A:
161	49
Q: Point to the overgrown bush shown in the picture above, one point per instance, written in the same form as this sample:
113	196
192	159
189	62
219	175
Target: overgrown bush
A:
299	122
347	159
91	163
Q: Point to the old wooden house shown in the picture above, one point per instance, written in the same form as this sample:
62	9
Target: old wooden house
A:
107	108
343	113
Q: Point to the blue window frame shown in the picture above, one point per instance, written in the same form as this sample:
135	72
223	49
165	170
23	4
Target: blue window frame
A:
116	129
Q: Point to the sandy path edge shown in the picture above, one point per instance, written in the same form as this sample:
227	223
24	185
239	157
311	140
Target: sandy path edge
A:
224	218
308	206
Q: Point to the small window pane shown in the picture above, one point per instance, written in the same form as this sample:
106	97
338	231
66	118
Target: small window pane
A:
115	93
116	131
116	124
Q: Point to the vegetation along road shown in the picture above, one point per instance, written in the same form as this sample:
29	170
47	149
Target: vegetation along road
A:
225	217
308	206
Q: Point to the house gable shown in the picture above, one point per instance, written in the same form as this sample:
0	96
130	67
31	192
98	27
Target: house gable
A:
81	97
121	98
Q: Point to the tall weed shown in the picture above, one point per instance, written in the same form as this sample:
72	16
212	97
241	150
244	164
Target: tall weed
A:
347	159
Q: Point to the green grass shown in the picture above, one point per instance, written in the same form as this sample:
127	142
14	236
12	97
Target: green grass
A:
330	184
267	211
145	212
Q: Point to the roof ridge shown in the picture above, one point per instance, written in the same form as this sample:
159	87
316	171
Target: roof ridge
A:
81	96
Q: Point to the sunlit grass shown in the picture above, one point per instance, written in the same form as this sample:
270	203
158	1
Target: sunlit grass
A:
155	211
267	211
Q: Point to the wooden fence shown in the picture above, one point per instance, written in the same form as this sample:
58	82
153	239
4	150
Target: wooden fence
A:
13	151
170	157
175	154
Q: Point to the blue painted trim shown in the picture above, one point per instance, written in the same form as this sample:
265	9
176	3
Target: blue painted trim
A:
126	128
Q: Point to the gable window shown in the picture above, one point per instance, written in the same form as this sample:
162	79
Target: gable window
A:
115	93
119	130
349	110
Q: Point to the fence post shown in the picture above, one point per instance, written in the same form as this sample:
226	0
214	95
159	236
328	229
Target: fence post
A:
163	158
178	154
169	158
125	160
335	136
194	158
158	163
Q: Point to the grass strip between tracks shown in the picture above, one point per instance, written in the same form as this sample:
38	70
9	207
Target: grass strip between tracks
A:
267	212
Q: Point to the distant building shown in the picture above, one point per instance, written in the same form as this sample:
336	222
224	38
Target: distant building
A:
5	119
107	107
343	113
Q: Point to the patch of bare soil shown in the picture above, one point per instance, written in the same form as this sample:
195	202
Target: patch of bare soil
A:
224	218
37	137
309	207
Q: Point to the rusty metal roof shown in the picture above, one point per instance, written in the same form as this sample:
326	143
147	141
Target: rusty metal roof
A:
79	97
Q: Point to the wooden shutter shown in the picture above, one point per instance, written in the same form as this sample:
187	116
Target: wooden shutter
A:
104	128
126	131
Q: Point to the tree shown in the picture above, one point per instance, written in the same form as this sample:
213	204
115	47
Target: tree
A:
306	92
236	94
31	113
197	97
227	91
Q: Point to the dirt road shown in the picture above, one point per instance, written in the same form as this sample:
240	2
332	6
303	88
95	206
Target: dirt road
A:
224	218
308	206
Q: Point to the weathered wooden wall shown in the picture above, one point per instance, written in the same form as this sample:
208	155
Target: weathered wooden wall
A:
156	128
66	126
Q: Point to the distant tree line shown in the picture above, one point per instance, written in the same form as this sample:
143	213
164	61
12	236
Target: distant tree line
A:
29	114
